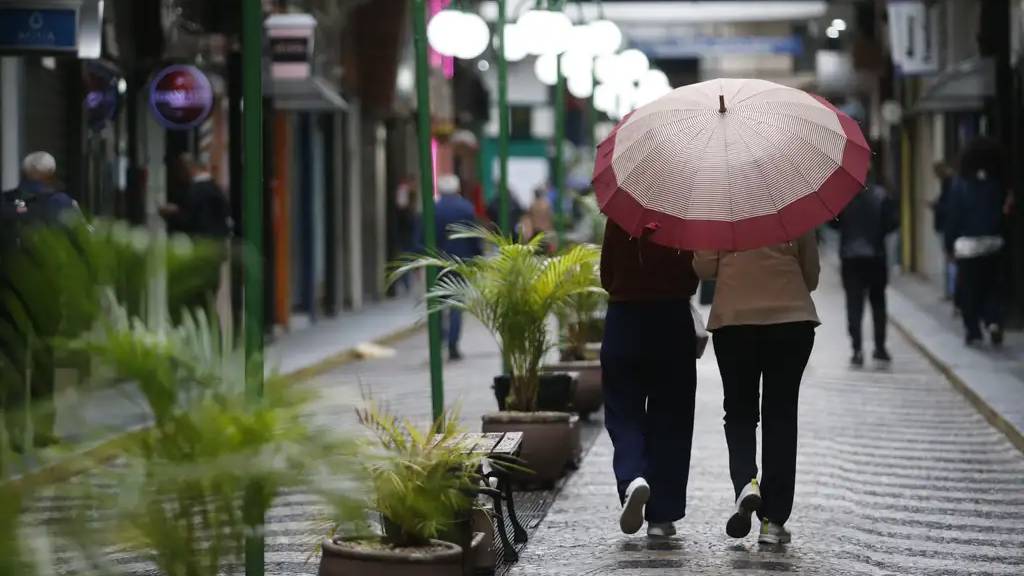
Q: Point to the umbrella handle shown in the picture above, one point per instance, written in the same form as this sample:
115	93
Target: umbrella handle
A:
721	103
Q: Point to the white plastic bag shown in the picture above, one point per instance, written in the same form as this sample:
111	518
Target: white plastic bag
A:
700	329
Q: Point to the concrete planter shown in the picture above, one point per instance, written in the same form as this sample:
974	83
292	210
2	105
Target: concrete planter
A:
340	558
547	442
589	394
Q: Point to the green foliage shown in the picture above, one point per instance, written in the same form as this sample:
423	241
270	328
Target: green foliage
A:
188	489
512	292
181	487
581	308
423	481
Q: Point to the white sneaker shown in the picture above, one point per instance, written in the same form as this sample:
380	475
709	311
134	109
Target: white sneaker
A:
772	533
661	530
637	495
748	502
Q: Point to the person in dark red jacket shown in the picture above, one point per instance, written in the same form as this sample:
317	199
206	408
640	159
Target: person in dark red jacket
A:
648	361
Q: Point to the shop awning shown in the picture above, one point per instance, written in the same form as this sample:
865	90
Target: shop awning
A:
308	95
964	87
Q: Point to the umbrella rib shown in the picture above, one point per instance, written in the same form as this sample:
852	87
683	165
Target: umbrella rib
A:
667	138
798	117
637	141
756	123
778	208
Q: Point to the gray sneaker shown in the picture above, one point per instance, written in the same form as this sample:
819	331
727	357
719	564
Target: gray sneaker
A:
748	502
772	533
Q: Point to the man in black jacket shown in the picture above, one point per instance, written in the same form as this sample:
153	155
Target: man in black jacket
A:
863	226
203	214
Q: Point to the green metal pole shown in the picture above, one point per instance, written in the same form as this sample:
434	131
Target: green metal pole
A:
252	221
504	121
559	153
419	27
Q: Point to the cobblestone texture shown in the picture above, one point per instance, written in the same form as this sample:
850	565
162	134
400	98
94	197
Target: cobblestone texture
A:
897	474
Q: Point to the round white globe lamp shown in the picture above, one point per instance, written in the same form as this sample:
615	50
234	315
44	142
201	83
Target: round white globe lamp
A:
633	64
443	32
546	69
605	37
515	43
473	38
581	86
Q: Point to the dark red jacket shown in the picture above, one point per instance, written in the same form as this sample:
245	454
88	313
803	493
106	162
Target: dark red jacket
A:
637	269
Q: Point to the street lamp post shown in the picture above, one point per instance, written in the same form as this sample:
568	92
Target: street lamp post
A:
559	168
419	27
504	121
252	222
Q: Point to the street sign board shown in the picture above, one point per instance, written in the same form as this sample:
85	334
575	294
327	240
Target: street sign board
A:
38	29
913	36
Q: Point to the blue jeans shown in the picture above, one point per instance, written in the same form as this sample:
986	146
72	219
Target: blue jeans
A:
649	372
451	322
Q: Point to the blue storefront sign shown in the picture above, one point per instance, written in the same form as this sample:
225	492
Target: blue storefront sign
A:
43	29
698	46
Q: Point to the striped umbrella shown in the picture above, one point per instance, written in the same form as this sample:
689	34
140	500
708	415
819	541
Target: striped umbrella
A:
730	164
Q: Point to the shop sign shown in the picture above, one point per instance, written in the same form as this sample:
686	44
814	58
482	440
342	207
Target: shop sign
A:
291	38
181	97
913	36
38	29
102	96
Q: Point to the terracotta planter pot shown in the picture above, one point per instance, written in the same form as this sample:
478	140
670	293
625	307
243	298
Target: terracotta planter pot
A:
485	555
344	559
547	441
589	395
554	395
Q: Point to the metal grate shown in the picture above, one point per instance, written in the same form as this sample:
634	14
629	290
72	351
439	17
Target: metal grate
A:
533	506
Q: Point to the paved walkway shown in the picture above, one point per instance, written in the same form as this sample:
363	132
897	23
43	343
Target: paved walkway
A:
898	475
993	378
87	417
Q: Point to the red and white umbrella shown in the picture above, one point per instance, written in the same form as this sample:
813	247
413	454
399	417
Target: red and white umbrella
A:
730	164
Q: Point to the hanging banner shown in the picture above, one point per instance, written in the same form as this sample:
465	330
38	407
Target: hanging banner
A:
913	37
181	97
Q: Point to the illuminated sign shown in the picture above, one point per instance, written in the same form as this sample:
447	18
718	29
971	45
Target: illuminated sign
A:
181	97
44	29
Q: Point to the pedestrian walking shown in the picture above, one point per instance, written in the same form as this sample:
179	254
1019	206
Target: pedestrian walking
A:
940	208
974	238
864	225
541	214
763	321
38	202
648	363
453	208
202	213
407	223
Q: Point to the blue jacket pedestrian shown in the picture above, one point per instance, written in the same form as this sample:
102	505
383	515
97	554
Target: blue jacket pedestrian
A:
452	208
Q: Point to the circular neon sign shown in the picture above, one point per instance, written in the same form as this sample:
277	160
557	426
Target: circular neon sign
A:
181	97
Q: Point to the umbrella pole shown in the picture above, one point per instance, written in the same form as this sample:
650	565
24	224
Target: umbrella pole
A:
419	26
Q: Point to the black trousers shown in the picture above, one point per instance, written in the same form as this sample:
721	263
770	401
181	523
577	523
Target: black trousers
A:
649	370
776	354
40	390
980	298
865	277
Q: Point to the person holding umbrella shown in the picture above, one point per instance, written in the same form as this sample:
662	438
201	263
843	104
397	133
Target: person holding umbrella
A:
763	321
741	172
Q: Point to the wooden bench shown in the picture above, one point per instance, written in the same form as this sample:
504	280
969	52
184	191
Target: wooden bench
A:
503	447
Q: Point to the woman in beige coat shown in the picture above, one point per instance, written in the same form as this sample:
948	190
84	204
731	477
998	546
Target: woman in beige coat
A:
763	321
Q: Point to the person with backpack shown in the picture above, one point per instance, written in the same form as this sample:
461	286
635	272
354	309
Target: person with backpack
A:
38	202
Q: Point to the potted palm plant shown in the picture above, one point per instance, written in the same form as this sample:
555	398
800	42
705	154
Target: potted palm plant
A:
424	486
578	323
513	292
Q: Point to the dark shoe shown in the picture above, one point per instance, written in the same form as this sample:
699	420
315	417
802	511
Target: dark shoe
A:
882	355
857	360
454	355
995	332
749	501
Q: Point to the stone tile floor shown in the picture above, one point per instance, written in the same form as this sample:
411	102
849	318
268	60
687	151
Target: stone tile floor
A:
897	475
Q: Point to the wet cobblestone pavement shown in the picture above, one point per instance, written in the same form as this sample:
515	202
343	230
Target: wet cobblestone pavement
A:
897	475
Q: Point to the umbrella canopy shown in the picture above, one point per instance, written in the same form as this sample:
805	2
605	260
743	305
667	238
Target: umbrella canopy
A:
730	164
